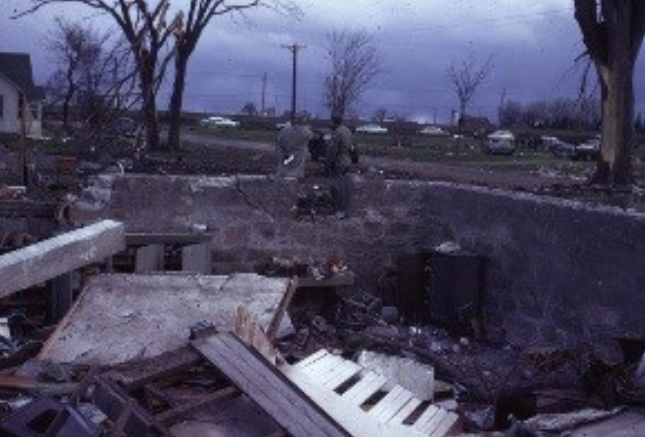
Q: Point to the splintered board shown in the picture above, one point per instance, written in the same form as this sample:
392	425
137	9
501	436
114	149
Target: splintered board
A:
267	387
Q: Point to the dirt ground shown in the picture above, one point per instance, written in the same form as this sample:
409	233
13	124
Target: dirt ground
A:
215	156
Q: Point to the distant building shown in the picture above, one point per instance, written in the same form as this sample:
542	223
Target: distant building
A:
17	89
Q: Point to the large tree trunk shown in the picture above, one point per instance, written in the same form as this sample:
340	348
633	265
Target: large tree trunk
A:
616	73
149	107
615	161
176	101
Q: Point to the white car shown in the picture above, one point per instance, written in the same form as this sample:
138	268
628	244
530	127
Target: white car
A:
371	129
434	131
502	135
223	122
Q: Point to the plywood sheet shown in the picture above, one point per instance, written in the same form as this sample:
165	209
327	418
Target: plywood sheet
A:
123	317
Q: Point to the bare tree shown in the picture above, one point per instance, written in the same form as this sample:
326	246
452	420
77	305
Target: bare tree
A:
199	14
94	76
466	78
73	46
355	63
380	115
149	33
613	33
144	26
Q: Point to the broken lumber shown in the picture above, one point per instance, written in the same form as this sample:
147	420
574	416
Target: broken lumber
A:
48	259
267	387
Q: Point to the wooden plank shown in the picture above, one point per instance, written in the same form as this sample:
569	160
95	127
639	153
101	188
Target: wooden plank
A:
391	404
426	417
51	258
274	326
337	372
268	388
311	359
27	208
446	425
248	329
349	415
146	239
405	412
433	423
365	388
323	366
349	370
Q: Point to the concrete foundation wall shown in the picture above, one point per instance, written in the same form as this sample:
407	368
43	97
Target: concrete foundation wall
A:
558	271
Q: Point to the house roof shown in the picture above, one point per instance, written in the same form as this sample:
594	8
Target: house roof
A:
17	68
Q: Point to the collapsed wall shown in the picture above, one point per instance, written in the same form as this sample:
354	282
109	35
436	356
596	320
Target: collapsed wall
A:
557	271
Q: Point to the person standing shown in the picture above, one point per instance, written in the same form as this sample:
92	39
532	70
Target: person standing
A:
337	165
292	151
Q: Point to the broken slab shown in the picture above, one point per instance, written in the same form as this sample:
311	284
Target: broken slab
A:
51	258
119	318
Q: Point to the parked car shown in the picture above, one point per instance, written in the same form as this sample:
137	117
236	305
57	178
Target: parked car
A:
222	122
589	150
434	131
498	147
547	142
504	135
562	149
373	129
282	125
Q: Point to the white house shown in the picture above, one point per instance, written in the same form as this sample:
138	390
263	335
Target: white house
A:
17	88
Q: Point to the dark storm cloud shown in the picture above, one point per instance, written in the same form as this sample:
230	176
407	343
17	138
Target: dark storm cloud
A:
534	47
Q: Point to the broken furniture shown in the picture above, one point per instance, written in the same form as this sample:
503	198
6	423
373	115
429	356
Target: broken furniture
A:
456	280
321	395
267	387
353	395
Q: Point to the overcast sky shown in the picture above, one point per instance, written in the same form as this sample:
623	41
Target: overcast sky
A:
534	43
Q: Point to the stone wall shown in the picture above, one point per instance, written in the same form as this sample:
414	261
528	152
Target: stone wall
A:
558	271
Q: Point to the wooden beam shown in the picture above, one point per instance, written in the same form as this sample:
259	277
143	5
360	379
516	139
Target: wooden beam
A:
51	258
267	387
143	239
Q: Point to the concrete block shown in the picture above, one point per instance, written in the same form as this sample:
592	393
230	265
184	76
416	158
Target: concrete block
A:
409	374
197	258
51	258
150	259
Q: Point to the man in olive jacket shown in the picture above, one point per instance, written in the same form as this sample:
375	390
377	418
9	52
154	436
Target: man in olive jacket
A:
337	165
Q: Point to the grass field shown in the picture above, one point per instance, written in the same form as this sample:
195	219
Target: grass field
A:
434	149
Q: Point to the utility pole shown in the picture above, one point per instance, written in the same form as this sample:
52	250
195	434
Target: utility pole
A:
294	49
264	93
502	102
